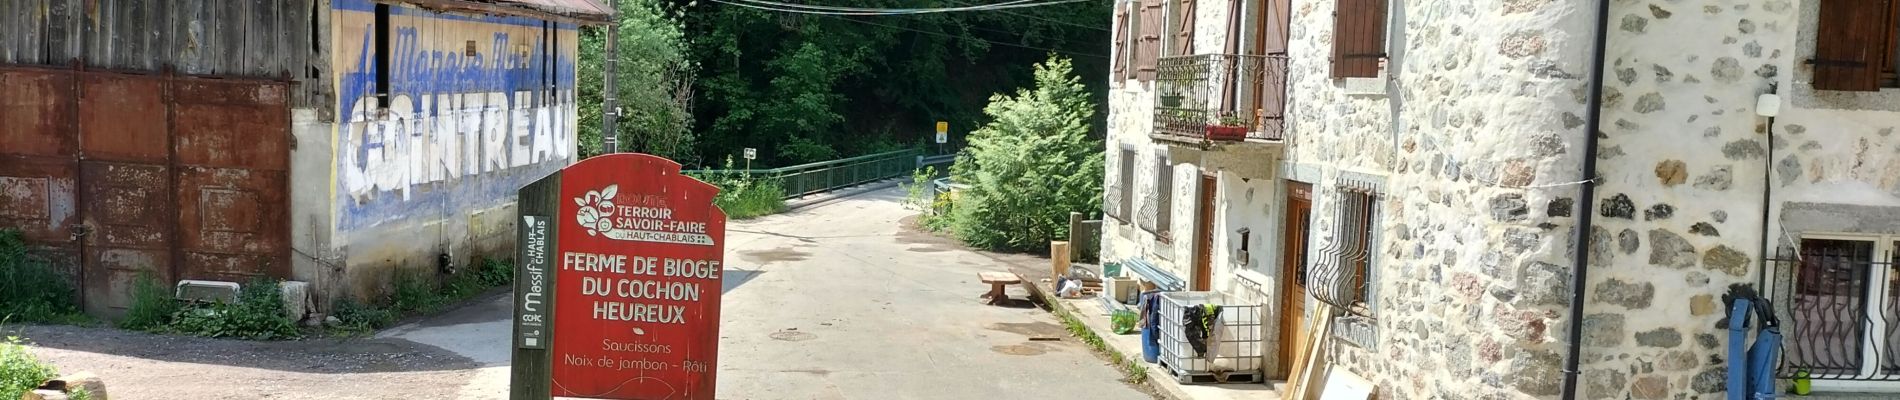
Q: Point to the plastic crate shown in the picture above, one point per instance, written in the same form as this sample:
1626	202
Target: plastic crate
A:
1238	351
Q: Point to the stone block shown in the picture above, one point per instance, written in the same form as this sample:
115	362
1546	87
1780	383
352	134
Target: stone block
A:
1650	387
1635	295
1727	260
1701	305
1672	172
296	299
1603	330
1671	250
1660	337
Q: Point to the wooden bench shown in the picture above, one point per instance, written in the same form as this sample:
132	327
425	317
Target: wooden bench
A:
998	281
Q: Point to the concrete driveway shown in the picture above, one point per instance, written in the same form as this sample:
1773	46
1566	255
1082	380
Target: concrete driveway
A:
840	301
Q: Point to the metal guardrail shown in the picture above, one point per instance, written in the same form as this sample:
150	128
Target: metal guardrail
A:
824	176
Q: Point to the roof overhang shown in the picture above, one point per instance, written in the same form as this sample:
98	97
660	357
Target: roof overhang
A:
586	12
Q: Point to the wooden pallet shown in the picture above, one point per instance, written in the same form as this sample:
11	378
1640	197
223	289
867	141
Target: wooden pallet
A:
1210	377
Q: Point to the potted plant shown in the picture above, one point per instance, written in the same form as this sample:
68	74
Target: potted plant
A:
1171	100
1229	128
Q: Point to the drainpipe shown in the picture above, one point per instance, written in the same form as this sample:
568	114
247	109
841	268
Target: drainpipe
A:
610	102
1586	202
1767	106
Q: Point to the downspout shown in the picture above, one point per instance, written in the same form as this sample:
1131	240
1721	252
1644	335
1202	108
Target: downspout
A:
1579	271
1767	194
610	102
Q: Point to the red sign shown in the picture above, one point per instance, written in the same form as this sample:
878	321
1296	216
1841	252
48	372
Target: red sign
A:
636	281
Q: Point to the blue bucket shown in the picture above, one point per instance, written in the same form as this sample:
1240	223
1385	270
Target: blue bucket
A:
1150	345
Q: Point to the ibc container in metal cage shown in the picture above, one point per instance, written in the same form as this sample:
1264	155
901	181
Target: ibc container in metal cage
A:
1237	347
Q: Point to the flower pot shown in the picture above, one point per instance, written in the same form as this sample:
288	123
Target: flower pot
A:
1224	132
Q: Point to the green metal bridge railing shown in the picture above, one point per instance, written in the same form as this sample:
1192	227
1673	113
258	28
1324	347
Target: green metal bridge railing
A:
823	176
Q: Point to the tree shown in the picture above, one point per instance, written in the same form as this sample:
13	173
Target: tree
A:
1031	166
654	81
803	87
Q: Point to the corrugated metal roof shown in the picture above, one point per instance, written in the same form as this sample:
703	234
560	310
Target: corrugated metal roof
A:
589	7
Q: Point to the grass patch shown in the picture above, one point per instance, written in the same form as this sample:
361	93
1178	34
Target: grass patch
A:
258	313
1132	369
31	290
21	372
743	195
414	292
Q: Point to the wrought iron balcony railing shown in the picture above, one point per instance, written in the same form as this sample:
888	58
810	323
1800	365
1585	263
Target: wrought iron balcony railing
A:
1208	98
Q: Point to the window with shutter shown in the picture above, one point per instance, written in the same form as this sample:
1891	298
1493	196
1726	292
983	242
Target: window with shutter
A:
1164	197
1148	38
1120	57
1854	43
1358	38
1183	28
1127	184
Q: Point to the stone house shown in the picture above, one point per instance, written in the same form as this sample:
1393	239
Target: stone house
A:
324	141
1417	166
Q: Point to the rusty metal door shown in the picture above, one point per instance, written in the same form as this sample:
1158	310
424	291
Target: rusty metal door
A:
122	175
38	167
126	201
231	142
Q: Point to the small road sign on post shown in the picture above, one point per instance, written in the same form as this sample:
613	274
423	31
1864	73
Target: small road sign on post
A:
751	153
943	132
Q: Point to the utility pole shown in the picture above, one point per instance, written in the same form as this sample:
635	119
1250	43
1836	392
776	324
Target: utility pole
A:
610	104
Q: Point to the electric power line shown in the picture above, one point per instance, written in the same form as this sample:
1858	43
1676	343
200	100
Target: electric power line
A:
880	10
886	12
970	38
1041	18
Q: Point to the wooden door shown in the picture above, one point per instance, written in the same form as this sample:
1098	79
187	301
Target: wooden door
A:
1299	210
1204	236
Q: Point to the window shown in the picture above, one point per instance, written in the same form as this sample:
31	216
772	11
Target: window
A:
1157	209
1180	28
1854	46
1122	199
1843	314
1120	57
1358	38
1148	39
1343	277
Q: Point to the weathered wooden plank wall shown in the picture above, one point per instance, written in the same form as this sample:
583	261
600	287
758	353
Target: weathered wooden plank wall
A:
273	39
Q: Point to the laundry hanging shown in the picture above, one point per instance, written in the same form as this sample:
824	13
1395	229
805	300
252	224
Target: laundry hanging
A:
1198	321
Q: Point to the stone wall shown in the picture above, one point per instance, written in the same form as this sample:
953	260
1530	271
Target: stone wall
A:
1131	118
1474	127
1683	158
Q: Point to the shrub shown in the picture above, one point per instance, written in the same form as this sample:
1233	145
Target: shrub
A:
413	291
1031	166
152	305
20	371
743	195
258	314
30	289
353	316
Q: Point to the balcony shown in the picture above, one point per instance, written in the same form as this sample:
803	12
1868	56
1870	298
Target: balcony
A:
1218	99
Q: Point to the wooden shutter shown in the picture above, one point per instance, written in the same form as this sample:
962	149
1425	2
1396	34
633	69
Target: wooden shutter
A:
1358	38
1120	61
1148	39
1271	34
1184	30
1851	44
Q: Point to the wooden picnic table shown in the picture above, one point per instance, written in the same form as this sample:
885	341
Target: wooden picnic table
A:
997	281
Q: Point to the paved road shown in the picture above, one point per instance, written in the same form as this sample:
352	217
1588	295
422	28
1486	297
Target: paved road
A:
840	301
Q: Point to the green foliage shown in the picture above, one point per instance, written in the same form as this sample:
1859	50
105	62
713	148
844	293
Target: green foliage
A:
1031	166
31	290
152	305
20	371
922	195
356	317
258	314
804	88
653	80
414	291
744	196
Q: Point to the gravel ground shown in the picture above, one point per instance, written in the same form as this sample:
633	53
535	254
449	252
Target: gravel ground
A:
137	365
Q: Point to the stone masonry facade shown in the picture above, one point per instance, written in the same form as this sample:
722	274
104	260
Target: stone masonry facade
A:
1475	130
